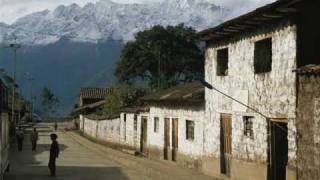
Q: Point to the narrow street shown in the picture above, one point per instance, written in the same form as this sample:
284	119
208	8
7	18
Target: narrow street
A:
81	159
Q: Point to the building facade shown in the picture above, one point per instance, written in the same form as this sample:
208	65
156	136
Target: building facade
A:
252	102
176	123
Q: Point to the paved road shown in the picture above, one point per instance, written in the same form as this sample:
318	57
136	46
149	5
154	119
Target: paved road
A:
81	159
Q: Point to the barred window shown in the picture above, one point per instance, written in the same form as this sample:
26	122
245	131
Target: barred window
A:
263	56
190	130
248	126
156	124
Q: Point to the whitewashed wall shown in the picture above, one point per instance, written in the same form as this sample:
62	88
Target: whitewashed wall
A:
273	94
129	136
107	130
193	148
90	127
81	121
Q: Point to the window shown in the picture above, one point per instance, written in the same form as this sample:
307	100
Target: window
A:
156	124
248	126
135	123
263	56
190	130
222	62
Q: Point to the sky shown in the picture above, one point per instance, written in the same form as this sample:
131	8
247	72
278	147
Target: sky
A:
10	10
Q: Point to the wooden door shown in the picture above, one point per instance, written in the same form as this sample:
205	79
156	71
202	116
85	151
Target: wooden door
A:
225	144
166	138
174	139
143	139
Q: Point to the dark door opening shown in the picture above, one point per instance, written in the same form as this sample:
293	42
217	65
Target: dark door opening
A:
143	139
166	138
225	144
278	151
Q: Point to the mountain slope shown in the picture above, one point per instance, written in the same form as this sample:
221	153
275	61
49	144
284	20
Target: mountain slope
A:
108	20
72	46
64	67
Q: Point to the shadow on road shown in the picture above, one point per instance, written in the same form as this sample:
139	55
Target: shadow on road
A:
28	165
70	173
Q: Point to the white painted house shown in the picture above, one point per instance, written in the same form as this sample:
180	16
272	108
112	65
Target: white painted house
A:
176	123
251	106
131	127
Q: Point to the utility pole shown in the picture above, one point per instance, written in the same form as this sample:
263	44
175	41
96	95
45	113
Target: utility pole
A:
31	79
14	46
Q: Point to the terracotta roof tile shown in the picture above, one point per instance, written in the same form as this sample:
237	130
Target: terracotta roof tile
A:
94	93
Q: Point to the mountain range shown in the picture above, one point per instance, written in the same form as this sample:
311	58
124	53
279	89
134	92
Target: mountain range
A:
72	46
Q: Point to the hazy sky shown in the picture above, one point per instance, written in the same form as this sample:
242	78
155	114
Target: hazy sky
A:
10	10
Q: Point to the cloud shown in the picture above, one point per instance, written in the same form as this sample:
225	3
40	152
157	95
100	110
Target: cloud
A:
10	10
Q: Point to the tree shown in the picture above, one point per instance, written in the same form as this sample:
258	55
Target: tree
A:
163	56
8	80
49	102
122	95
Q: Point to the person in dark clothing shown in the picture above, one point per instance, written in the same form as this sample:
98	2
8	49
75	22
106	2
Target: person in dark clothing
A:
20	138
54	153
55	126
34	139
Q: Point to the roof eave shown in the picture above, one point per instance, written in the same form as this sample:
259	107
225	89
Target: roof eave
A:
266	14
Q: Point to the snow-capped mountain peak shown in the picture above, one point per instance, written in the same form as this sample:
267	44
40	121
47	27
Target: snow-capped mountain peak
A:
105	20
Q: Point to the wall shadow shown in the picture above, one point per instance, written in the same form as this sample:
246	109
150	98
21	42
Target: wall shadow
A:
69	173
29	165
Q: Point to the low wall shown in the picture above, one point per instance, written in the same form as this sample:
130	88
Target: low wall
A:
102	130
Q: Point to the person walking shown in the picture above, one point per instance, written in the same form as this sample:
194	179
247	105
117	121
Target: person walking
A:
55	125
54	154
20	138
34	139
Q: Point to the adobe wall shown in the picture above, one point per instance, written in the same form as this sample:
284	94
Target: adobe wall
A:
189	151
129	136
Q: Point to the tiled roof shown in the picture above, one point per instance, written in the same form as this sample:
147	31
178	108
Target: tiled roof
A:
90	106
186	93
308	70
135	109
94	93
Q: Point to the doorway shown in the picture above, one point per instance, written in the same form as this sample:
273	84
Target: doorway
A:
174	139
278	150
166	138
143	139
225	144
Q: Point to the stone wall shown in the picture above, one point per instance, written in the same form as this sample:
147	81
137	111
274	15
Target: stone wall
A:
189	151
308	125
273	94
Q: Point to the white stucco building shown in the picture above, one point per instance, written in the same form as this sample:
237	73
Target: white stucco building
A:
176	123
